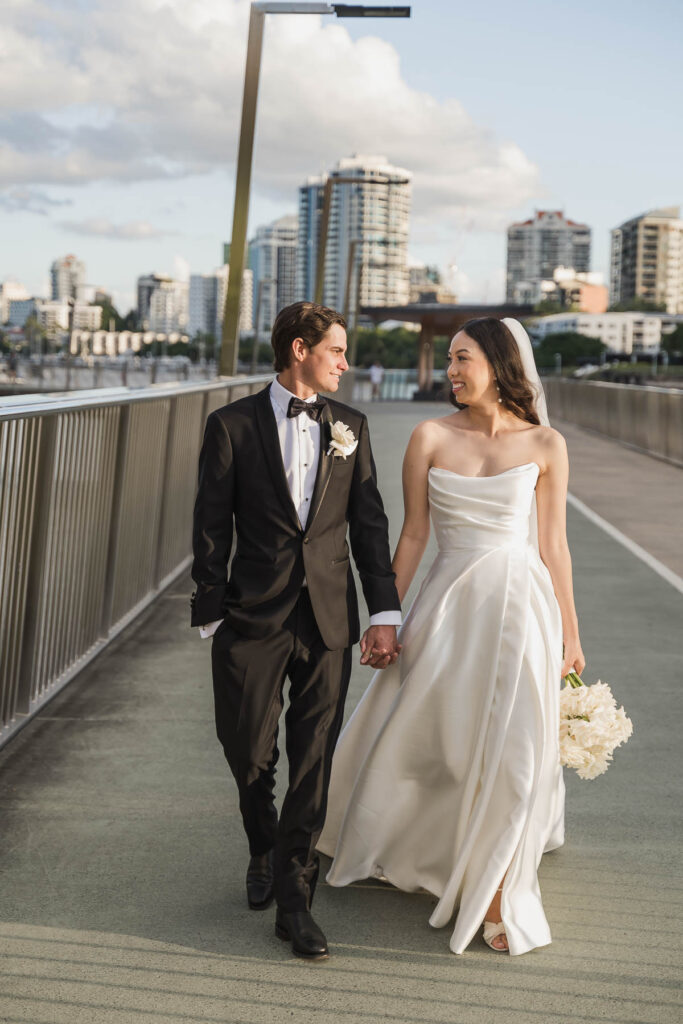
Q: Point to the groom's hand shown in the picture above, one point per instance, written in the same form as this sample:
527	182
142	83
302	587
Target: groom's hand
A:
379	646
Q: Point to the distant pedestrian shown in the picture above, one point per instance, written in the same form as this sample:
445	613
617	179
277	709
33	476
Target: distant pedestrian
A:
376	378
12	366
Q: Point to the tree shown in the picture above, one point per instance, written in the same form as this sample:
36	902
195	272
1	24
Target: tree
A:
574	348
673	342
636	304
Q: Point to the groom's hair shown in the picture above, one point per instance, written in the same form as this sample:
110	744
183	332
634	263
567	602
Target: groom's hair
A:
304	320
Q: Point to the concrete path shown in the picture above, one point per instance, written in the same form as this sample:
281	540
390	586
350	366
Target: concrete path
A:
122	855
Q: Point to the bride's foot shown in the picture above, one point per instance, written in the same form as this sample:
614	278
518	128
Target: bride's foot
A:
494	929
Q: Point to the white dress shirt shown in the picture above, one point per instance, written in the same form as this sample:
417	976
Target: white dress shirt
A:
300	447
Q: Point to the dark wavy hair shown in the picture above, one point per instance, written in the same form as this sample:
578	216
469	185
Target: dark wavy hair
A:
500	348
305	320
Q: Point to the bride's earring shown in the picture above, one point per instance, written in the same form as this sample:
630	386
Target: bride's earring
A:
498	389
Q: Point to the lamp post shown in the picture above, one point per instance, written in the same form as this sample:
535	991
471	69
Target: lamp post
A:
259	9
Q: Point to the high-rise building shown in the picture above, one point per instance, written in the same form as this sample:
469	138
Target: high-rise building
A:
369	216
10	291
647	259
272	258
207	302
536	247
67	278
146	286
168	307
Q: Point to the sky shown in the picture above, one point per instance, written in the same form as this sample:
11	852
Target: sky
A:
119	126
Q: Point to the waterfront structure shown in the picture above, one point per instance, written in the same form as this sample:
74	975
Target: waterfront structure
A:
536	247
647	259
272	258
623	333
67	278
207	302
369	217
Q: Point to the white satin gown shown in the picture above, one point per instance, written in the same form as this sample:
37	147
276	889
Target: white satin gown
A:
447	775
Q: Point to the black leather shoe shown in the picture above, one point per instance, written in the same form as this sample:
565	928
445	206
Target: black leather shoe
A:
260	881
306	937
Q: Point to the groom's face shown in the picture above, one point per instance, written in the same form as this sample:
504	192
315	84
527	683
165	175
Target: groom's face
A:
323	365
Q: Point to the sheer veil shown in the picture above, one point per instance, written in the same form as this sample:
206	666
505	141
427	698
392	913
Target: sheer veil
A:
529	363
531	373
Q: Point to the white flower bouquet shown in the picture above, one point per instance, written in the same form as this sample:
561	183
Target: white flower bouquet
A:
591	726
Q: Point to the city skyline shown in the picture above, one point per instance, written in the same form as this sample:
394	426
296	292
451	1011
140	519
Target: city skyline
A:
127	158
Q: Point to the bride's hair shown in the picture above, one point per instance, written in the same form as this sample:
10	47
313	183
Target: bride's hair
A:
498	344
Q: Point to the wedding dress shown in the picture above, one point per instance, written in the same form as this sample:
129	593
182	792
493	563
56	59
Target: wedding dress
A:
447	775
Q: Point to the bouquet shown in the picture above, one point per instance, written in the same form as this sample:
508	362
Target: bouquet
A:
591	726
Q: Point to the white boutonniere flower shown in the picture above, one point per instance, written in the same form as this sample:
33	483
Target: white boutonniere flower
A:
342	441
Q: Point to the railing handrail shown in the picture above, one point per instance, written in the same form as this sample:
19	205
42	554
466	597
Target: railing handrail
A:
40	403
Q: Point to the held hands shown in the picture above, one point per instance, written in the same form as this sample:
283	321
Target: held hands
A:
379	646
573	659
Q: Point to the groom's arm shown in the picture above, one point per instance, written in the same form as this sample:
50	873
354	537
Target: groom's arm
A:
213	523
369	536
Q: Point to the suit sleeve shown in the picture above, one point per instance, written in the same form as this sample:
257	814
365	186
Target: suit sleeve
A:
213	523
369	531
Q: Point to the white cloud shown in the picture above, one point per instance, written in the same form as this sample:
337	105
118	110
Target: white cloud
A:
29	200
158	84
137	230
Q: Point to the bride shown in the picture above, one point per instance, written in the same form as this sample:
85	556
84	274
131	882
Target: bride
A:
447	776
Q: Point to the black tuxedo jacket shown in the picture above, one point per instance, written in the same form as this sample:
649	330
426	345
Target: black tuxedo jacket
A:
242	486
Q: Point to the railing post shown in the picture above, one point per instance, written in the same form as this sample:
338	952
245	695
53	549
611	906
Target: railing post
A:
36	560
115	521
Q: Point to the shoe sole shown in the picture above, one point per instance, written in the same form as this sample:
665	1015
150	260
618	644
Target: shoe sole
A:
283	934
260	906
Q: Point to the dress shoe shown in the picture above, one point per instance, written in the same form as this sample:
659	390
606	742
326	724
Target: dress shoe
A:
260	881
306	937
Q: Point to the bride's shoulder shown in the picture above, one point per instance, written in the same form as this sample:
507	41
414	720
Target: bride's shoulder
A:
551	442
433	427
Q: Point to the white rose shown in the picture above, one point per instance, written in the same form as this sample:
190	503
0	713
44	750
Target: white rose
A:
342	440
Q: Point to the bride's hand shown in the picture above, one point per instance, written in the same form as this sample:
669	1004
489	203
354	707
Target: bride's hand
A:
573	659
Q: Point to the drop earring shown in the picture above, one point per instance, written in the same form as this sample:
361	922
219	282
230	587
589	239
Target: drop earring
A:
498	390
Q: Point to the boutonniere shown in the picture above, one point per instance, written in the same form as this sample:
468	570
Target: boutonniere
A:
342	441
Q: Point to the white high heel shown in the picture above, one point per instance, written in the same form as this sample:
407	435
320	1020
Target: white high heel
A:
492	930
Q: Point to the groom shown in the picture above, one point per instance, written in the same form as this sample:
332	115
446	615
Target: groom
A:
289	472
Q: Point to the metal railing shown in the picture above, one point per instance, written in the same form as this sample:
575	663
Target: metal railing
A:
397	385
96	496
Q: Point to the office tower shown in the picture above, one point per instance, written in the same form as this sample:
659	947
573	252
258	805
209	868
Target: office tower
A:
207	302
272	258
647	259
538	246
67	278
369	219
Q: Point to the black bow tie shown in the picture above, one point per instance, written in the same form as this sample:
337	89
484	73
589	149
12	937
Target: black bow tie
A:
312	409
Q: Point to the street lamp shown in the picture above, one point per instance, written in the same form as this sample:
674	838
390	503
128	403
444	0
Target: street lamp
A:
230	333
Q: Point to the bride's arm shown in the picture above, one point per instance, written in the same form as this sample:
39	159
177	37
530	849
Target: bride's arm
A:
551	503
415	531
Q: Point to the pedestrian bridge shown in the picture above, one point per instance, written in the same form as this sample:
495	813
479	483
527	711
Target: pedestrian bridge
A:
123	856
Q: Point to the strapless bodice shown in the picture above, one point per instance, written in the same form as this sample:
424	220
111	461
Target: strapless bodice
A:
482	511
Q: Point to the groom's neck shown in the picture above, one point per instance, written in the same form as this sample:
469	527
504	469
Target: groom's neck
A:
290	380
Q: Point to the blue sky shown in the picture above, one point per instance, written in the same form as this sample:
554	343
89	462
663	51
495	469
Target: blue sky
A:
118	127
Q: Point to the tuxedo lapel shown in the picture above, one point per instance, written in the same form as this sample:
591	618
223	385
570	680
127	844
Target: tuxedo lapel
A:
265	419
325	463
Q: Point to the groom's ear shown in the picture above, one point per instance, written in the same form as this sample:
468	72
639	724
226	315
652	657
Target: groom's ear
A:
299	349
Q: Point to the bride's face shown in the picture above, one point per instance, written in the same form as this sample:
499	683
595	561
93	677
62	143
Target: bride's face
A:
469	371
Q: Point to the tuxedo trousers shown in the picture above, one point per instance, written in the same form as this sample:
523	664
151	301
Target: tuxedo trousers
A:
249	678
